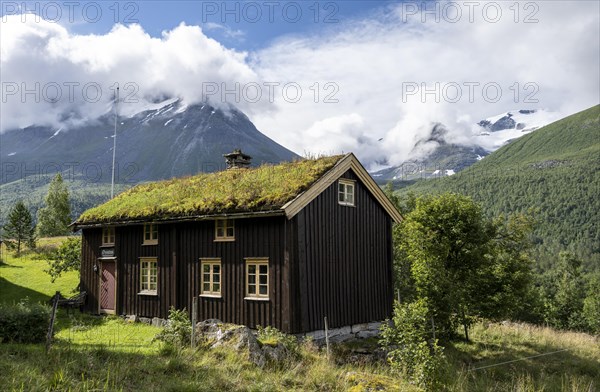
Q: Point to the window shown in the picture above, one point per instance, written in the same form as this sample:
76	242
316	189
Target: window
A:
224	230
108	236
211	277
148	275
346	192
150	234
257	278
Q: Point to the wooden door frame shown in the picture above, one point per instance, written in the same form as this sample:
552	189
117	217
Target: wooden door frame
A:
100	261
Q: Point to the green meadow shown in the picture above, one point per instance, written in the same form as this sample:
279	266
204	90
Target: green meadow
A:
92	353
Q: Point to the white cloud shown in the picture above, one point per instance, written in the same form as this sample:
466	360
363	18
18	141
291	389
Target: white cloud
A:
47	55
371	59
365	61
226	30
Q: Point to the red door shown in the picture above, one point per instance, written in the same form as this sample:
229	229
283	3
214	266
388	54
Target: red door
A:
108	287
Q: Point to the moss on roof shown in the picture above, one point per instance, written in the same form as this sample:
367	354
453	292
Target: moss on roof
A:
264	188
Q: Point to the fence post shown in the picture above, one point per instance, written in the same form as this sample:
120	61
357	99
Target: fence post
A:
194	320
327	337
51	326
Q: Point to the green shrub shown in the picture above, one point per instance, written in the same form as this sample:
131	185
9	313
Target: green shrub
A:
410	351
178	331
24	322
66	258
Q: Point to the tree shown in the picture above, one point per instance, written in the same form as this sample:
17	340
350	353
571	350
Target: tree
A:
591	305
463	264
54	218
67	258
564	306
411	344
20	229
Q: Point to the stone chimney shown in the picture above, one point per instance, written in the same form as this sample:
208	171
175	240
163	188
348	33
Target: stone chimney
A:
237	160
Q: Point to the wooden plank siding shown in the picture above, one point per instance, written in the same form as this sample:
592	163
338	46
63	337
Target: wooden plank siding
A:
179	250
343	268
89	279
256	237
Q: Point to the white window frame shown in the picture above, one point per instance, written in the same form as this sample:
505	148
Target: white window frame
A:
225	225
152	230
211	262
146	279
343	194
108	232
257	262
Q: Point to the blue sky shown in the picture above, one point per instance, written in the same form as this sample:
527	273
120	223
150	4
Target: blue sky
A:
243	25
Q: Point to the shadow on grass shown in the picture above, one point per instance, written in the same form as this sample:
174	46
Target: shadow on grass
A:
11	293
4	265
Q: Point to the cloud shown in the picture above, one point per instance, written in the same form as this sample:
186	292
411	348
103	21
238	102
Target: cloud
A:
356	86
554	61
53	77
226	30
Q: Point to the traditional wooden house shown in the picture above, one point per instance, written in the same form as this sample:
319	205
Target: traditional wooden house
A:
281	245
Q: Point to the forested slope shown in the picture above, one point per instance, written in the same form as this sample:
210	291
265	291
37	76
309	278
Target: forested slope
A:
556	172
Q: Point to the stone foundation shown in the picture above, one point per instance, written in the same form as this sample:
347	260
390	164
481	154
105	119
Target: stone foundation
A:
336	335
342	334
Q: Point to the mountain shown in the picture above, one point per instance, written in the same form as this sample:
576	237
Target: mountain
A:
170	140
433	156
166	140
555	171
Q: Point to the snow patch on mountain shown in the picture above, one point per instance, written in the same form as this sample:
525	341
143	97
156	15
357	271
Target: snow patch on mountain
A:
495	131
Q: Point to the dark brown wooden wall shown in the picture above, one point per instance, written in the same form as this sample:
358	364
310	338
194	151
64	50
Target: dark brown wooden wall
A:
128	250
263	237
343	268
180	247
90	251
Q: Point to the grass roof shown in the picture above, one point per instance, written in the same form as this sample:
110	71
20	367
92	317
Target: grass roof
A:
264	188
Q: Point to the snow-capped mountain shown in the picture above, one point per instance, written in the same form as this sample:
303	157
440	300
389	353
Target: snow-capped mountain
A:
164	140
433	156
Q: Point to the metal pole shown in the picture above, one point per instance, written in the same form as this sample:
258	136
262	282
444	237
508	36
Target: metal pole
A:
112	182
194	320
327	337
51	326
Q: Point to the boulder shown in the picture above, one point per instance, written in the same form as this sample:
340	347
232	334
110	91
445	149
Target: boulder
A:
367	334
131	318
215	333
359	327
159	322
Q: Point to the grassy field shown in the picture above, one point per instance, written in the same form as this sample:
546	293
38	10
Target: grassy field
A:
93	353
25	277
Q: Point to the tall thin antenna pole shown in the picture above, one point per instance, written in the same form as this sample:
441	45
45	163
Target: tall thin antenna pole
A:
112	182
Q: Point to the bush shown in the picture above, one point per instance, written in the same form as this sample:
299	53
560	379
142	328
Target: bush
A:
409	350
178	331
66	258
24	322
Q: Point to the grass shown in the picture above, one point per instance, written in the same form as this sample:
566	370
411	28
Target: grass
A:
24	276
511	356
109	354
263	188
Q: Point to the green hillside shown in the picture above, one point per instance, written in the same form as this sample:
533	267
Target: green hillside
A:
83	194
555	171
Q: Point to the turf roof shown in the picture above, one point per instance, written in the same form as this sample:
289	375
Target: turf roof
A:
264	188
